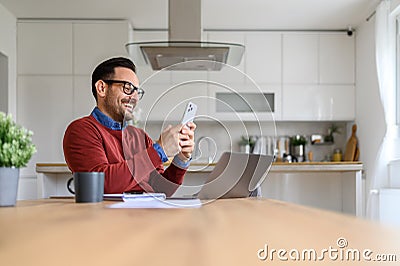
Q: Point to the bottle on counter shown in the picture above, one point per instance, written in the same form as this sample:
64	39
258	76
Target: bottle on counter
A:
337	155
310	156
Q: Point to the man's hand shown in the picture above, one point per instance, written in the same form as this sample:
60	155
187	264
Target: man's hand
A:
186	142
169	140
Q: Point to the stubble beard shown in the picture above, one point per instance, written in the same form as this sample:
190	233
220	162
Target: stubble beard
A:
128	113
116	111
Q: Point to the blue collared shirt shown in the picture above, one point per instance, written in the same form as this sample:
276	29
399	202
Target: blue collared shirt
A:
105	120
114	125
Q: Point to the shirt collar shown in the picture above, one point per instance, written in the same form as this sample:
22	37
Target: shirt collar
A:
106	120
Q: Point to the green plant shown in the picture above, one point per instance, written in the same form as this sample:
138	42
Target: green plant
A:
298	140
332	129
246	141
16	148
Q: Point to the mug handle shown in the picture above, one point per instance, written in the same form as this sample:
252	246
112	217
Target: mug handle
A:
69	185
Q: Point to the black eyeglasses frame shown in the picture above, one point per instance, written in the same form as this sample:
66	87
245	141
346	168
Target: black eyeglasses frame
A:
128	88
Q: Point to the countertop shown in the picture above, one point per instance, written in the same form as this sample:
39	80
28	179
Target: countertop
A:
205	167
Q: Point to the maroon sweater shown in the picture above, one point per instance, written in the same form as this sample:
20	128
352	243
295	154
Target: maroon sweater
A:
127	157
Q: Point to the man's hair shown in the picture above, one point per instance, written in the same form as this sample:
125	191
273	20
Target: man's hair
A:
105	70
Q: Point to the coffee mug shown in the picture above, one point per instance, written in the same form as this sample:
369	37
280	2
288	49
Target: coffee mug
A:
89	186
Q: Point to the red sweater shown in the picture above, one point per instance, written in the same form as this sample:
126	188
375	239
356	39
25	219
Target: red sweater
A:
127	157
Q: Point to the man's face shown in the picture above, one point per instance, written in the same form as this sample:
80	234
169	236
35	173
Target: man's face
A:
117	104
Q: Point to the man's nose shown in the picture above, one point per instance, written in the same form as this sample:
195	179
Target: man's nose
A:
134	96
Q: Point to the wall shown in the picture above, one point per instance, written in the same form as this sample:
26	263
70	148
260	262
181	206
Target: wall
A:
369	110
8	47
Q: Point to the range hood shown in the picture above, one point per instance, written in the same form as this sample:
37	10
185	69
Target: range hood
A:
184	43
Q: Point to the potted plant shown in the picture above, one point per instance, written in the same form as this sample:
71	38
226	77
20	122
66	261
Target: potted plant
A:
246	144
298	146
332	129
16	149
298	140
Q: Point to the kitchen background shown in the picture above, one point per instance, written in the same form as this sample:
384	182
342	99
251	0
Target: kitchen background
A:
49	80
313	83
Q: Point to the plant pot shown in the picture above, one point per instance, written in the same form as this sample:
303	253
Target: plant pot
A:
299	152
9	177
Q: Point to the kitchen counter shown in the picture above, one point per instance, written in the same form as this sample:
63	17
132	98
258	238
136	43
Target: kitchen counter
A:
208	167
317	166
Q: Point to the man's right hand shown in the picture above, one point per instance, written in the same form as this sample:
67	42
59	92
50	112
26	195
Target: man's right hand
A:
169	140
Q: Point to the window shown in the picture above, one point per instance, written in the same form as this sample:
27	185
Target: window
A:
398	71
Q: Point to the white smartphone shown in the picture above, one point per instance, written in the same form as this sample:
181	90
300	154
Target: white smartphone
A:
189	114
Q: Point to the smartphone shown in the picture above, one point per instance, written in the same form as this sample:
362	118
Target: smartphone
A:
189	114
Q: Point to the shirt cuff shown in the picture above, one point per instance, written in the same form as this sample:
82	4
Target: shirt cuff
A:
160	152
181	164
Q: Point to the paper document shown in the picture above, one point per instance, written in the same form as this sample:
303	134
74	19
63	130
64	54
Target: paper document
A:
135	196
144	196
156	204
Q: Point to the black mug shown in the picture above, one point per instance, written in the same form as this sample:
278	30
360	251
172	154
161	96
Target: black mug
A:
89	186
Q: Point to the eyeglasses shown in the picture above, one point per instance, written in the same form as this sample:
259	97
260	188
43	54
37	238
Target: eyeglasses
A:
128	88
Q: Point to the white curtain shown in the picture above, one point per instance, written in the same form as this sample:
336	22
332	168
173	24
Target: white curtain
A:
385	40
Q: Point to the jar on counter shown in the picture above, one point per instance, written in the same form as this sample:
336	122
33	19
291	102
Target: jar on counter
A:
337	155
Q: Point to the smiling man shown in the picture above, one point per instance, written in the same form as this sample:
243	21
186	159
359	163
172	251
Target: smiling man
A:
103	142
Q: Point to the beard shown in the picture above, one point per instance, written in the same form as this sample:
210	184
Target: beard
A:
128	114
120	112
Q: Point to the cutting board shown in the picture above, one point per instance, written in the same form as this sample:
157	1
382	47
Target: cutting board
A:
351	148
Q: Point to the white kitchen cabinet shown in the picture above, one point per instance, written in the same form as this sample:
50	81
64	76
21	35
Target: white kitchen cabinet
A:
44	106
318	102
44	48
336	58
264	57
318	58
83	99
73	48
318	77
95	41
300	58
228	74
51	94
335	187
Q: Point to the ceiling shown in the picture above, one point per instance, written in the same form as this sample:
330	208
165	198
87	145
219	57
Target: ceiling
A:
217	14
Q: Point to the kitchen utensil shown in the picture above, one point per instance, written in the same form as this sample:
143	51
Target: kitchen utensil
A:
351	146
283	147
261	146
357	155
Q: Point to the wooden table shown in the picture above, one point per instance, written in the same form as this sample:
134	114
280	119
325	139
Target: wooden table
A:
225	232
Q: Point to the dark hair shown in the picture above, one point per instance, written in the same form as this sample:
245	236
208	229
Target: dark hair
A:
105	70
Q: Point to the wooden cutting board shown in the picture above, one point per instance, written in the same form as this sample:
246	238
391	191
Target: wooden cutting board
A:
351	147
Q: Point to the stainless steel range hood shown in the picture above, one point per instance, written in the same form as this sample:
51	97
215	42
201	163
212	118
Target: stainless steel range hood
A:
184	43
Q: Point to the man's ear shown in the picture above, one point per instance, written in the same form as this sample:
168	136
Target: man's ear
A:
101	88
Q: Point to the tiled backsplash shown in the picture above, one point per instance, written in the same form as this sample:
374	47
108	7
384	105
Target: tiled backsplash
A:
227	135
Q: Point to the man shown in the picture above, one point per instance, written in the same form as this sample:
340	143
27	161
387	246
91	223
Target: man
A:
103	142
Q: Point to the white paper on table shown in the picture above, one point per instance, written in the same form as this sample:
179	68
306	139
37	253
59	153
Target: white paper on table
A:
157	204
135	196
